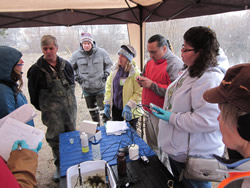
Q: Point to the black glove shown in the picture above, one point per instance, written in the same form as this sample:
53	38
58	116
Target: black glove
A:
104	78
78	79
75	66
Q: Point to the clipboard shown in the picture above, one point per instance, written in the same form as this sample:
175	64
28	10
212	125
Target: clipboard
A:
12	130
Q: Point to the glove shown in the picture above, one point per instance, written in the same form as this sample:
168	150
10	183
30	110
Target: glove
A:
75	66
126	113
24	145
107	110
78	79
104	78
161	114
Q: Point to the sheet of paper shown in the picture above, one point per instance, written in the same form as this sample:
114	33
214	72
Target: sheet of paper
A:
24	113
116	127
12	130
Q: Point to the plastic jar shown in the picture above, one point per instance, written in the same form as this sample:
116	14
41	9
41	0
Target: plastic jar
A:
84	142
96	151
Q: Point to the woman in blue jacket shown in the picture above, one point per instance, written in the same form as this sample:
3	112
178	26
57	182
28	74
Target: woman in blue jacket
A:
11	82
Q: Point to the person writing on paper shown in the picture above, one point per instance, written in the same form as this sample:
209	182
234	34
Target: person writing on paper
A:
20	169
185	113
123	93
11	82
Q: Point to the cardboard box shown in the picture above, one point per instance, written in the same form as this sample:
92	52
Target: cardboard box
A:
89	127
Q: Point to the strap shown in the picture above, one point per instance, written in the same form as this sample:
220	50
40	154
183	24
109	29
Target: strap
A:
65	83
188	148
55	75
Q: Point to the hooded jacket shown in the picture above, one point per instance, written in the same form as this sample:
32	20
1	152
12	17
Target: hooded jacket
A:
192	114
91	69
10	97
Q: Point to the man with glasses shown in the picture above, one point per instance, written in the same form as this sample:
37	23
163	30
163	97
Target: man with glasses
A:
162	69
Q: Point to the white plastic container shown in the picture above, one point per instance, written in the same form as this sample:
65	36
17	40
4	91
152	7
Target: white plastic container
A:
84	142
96	151
88	168
133	152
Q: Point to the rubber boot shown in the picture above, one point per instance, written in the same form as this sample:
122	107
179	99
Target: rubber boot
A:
95	117
56	176
104	118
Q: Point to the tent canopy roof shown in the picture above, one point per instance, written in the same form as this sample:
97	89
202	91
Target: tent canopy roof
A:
34	13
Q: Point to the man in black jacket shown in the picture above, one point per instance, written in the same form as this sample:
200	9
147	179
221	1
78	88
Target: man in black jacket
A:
51	89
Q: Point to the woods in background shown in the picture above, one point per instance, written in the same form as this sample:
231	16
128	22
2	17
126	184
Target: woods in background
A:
232	31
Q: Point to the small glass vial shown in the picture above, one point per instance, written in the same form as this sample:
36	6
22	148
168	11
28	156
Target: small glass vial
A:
96	151
84	142
121	163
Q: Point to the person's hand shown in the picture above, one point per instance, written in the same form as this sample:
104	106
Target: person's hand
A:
161	114
38	148
75	66
126	113
78	79
107	110
104	78
144	81
21	144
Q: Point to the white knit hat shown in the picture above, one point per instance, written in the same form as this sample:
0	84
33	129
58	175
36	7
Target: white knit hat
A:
86	37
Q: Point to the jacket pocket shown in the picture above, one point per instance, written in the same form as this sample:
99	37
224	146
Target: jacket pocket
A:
98	66
179	140
83	66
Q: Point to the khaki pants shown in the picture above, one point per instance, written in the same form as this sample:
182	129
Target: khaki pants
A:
152	129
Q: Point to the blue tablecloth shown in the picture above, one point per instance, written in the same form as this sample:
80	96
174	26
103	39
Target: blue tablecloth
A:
71	154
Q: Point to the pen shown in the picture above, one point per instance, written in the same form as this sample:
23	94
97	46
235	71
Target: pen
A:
19	147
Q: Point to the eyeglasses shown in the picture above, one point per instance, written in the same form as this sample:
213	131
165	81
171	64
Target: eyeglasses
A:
20	63
186	50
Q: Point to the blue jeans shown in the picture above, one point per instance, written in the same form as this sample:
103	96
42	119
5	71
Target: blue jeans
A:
177	167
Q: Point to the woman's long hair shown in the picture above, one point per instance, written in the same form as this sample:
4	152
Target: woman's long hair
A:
17	77
128	66
204	41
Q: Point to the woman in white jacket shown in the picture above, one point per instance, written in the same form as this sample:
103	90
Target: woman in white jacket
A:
185	112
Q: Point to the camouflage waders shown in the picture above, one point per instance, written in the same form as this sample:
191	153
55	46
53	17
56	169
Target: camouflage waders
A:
58	107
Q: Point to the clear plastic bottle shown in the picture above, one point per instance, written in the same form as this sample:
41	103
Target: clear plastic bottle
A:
96	150
84	142
121	163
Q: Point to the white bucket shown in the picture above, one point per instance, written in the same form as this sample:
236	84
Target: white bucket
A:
89	169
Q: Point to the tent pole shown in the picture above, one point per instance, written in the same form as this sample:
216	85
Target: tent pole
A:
141	38
141	60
